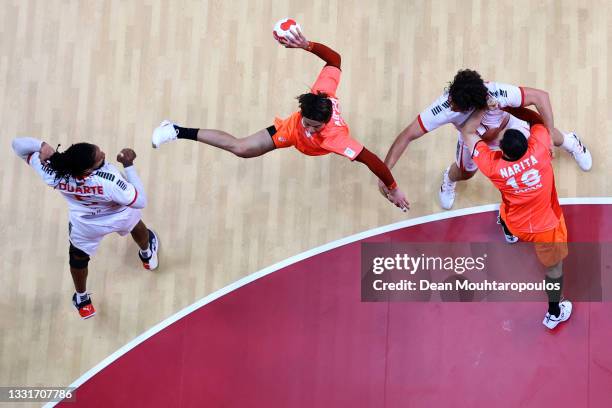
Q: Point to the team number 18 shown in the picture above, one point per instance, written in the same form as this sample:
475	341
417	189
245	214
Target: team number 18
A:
529	178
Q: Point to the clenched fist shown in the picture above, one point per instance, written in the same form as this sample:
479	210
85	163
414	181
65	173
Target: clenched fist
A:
126	157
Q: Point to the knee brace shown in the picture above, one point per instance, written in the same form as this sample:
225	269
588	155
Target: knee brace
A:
77	258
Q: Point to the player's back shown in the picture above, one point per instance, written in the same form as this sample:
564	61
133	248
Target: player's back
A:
104	191
527	185
500	95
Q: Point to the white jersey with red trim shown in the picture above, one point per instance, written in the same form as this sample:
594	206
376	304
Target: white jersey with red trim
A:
103	192
500	96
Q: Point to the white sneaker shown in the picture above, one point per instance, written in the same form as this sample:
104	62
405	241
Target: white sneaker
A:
580	153
164	133
551	321
447	191
510	238
151	262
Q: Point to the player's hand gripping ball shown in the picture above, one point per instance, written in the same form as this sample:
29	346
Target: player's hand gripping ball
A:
287	28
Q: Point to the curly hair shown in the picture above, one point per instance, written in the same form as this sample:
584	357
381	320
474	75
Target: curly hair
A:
468	91
316	106
73	161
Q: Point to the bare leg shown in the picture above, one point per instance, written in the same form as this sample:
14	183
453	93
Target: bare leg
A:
79	277
140	234
557	137
456	174
251	146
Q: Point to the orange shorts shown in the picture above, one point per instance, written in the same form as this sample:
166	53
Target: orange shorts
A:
551	245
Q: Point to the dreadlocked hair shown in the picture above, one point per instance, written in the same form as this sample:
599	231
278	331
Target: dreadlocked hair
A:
73	161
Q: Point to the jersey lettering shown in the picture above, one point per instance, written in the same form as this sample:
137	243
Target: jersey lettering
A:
81	190
514	169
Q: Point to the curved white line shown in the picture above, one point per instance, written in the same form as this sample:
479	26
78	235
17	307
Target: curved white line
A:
300	257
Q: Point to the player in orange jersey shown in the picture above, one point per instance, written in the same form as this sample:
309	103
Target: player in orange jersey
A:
316	129
522	171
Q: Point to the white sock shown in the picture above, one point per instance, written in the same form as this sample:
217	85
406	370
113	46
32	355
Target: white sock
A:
146	252
81	297
569	142
447	177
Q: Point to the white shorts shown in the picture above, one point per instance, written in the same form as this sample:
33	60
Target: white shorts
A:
87	233
463	157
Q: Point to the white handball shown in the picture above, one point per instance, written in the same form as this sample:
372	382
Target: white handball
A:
285	28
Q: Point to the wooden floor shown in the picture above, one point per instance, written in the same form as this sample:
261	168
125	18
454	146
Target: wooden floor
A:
108	72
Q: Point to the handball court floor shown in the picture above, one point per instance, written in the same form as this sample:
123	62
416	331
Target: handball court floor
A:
300	337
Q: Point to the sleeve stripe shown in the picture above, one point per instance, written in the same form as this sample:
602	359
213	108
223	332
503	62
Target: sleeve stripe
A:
421	124
522	96
135	197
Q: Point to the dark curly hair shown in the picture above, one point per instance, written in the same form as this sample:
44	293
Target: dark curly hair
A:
316	106
73	161
468	91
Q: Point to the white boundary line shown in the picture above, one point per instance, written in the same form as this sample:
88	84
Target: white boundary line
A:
297	258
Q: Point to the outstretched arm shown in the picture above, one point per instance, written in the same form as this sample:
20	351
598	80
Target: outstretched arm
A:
412	132
376	166
328	55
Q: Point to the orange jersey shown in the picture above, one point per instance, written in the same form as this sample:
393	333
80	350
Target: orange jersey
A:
527	185
335	137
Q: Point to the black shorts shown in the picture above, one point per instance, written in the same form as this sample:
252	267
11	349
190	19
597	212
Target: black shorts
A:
271	130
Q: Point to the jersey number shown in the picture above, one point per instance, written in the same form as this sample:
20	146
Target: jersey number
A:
529	178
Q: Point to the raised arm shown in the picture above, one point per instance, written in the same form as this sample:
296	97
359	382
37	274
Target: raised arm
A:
26	146
331	57
126	157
